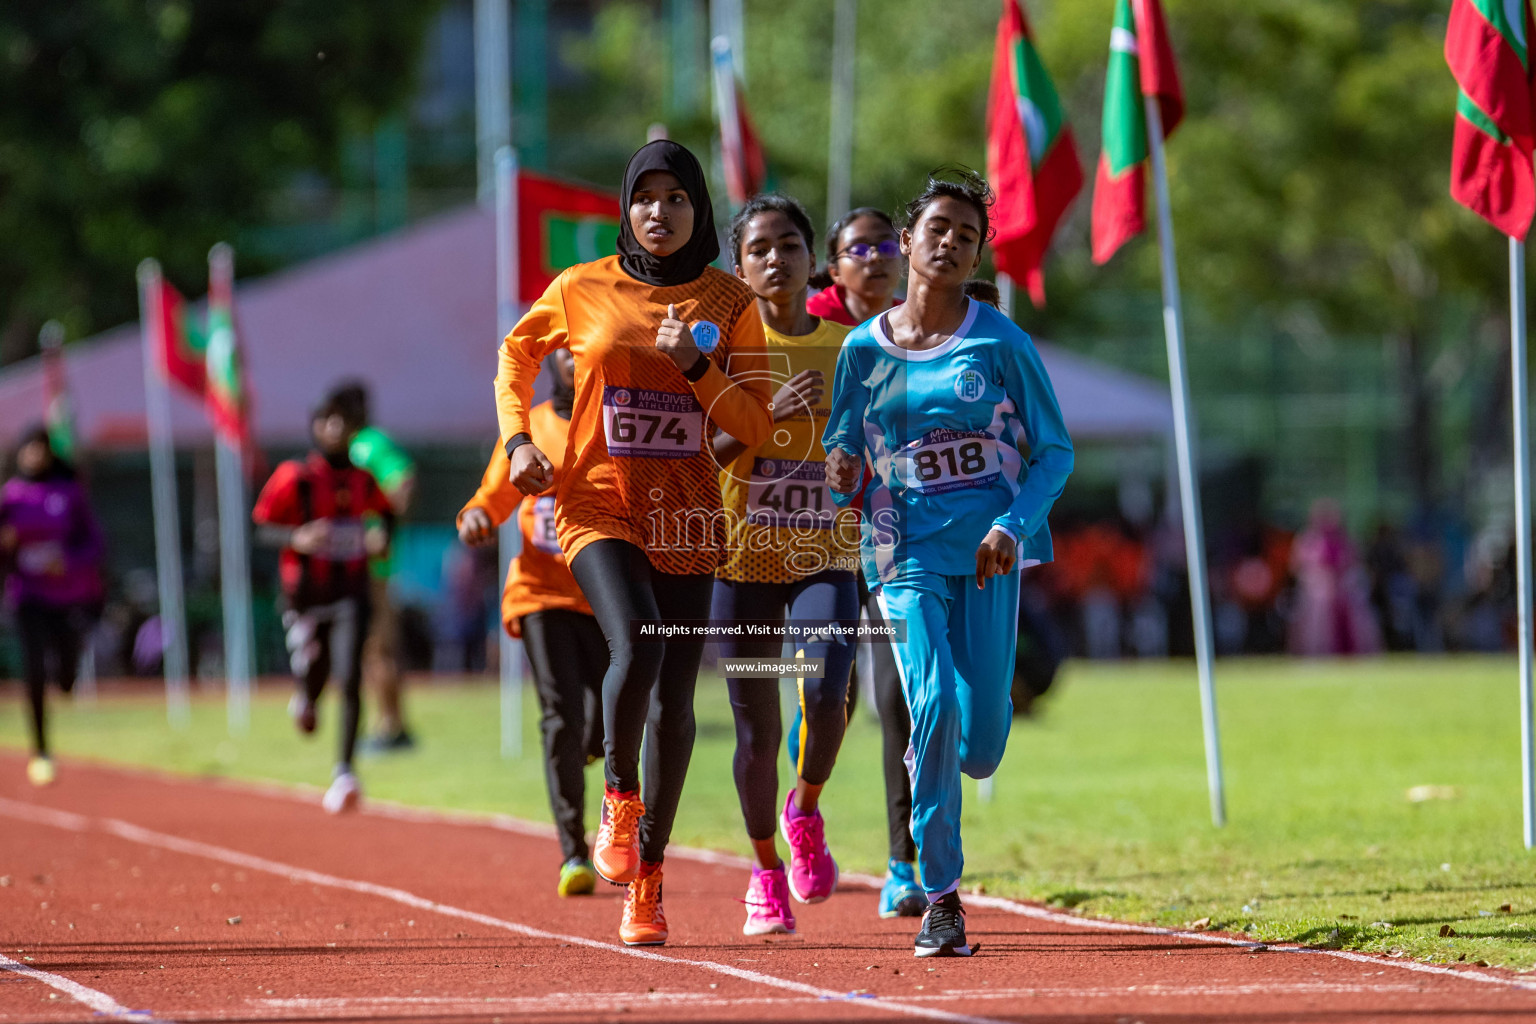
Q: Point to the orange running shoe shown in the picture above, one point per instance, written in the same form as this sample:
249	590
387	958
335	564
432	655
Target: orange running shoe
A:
644	924
616	855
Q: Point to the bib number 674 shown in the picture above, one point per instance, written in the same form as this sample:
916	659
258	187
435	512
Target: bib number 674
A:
648	428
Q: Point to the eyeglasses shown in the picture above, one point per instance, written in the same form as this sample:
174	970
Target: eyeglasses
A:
886	249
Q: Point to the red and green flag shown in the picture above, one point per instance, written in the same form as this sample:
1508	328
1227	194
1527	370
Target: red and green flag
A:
1141	64
1031	156
561	224
746	169
225	397
182	344
58	413
1487	47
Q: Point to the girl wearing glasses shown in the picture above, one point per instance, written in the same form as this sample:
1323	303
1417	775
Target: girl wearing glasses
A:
863	269
787	560
949	404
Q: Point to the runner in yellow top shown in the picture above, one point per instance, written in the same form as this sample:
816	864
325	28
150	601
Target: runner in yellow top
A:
665	345
791	561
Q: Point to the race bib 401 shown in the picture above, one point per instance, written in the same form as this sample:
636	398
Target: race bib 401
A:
786	492
949	460
651	424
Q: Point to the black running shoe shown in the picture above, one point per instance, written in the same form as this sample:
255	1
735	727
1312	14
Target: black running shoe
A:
943	931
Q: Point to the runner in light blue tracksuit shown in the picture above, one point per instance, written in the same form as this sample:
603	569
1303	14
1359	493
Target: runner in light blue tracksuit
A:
967	451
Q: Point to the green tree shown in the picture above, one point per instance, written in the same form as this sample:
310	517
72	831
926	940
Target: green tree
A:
133	128
1309	179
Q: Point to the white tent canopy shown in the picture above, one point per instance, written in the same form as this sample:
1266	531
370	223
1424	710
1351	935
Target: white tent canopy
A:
414	314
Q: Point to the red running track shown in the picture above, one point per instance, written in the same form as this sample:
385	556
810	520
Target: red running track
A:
144	897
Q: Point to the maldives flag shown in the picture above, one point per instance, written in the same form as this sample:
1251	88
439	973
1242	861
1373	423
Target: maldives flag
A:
1140	65
742	153
561	224
225	395
58	413
1031	156
183	342
1486	45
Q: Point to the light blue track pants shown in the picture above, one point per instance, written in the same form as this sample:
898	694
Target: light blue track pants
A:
956	670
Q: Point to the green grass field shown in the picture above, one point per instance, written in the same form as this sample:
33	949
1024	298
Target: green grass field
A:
1100	805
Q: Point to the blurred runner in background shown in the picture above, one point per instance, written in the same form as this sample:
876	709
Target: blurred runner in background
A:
543	605
50	553
786	559
329	517
372	449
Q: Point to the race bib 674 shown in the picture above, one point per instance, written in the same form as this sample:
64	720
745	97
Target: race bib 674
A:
644	424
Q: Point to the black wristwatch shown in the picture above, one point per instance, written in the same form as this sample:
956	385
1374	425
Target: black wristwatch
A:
696	372
516	441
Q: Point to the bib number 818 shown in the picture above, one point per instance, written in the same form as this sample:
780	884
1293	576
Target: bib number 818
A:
966	460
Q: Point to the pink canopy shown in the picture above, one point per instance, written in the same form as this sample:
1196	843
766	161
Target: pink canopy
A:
412	313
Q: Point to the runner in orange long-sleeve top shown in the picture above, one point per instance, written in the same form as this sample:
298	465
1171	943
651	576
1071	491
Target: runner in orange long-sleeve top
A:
545	608
666	348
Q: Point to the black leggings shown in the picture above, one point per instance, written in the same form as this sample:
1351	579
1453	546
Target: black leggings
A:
568	657
895	734
648	689
48	633
324	640
827	596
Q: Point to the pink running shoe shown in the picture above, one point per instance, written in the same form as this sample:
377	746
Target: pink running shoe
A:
812	871
768	910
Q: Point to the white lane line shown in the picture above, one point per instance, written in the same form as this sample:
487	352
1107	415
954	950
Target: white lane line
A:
98	1001
1055	917
507	823
559	1002
149	837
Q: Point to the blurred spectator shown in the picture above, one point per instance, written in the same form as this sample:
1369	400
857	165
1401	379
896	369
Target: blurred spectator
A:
1394	591
51	553
375	451
1333	613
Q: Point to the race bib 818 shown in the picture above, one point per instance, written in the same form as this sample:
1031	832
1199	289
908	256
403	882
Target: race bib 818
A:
651	424
949	460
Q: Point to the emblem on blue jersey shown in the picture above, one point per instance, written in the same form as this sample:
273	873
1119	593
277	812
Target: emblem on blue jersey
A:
970	385
706	336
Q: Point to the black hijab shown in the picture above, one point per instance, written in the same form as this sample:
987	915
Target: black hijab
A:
701	249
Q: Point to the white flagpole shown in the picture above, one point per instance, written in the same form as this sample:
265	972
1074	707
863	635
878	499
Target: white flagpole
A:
508	539
234	535
50	341
1005	294
1189	481
731	152
840	150
162	469
1522	528
493	90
